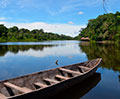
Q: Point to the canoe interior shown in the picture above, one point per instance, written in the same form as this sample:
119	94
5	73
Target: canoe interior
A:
44	79
80	89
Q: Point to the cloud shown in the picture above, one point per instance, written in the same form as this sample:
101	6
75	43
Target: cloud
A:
28	3
80	13
4	3
71	5
67	29
2	61
70	22
52	51
2	18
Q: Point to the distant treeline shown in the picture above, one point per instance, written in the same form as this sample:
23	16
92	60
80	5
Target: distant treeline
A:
15	34
104	27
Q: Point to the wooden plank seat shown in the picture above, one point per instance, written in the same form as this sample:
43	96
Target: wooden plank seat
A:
40	85
70	71
61	77
21	89
84	68
51	80
2	96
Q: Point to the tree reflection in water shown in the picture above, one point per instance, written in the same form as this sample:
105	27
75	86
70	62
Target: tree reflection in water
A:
110	53
16	48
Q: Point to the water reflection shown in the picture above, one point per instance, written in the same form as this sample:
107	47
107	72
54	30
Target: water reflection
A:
119	78
110	53
41	50
79	90
16	60
16	48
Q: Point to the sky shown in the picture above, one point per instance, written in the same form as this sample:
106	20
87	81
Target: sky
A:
57	16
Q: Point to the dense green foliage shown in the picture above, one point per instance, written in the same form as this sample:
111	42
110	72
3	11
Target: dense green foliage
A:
14	34
104	27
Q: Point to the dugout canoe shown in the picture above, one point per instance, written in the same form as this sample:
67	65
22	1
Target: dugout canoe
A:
45	84
79	90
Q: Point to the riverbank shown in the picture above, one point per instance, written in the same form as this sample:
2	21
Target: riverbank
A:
33	40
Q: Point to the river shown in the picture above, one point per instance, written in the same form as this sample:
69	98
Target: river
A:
20	58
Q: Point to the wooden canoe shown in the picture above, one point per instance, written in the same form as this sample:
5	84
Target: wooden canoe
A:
47	83
79	90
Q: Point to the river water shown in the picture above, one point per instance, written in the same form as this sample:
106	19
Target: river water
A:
20	58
